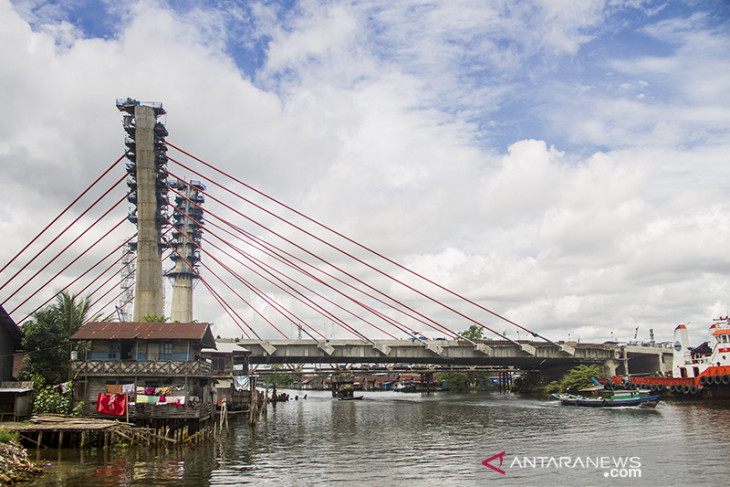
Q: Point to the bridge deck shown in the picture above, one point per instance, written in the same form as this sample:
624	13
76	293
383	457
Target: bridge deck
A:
522	354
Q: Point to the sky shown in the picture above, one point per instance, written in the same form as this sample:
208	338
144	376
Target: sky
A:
565	164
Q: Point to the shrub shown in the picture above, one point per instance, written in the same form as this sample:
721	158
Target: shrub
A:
6	436
49	399
575	379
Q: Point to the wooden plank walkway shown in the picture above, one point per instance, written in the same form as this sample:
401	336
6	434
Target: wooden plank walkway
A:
82	432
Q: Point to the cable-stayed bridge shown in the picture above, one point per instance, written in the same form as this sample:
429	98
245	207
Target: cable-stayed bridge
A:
293	287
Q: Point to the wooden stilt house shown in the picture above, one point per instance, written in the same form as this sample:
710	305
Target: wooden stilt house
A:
234	385
150	373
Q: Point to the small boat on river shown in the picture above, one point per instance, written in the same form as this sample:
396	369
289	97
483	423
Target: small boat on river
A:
604	398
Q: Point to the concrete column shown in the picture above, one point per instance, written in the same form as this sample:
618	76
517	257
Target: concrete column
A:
183	274
148	279
182	296
610	367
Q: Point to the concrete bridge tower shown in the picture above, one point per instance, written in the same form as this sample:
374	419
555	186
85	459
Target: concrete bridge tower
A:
147	183
186	233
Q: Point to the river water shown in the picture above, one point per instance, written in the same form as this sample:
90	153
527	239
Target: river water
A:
440	440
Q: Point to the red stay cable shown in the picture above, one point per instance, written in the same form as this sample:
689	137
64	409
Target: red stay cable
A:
217	296
365	248
303	249
62	213
67	247
336	290
81	276
59	235
283	311
70	264
321	310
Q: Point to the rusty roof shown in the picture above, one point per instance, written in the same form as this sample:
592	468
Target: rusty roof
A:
102	330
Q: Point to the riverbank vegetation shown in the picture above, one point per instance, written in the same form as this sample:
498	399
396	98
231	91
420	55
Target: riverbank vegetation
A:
465	381
575	379
46	337
52	399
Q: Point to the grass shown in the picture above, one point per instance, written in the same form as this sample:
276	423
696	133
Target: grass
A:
6	436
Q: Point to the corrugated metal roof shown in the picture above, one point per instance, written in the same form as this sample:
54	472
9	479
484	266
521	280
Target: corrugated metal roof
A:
100	330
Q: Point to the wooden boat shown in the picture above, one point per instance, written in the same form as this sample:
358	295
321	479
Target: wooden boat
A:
350	398
607	398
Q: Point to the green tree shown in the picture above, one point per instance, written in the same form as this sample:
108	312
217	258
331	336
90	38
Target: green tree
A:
73	311
46	337
453	380
474	333
575	379
155	319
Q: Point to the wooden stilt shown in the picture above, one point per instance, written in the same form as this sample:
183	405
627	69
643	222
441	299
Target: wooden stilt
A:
38	445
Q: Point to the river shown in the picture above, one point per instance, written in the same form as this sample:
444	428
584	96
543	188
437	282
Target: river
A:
440	440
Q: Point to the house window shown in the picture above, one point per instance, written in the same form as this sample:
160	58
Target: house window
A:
114	350
153	351
166	351
127	350
218	363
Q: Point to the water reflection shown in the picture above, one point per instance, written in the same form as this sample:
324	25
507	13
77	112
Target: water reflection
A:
438	440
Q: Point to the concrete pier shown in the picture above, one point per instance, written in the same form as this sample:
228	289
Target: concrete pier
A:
148	280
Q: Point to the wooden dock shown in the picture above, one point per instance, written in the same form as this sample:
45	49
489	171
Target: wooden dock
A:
57	431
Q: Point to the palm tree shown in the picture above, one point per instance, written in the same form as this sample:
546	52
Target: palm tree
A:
46	336
72	311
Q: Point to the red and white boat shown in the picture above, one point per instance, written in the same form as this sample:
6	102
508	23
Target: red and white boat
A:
702	370
710	360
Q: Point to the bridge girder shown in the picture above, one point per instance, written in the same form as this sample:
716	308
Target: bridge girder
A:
524	355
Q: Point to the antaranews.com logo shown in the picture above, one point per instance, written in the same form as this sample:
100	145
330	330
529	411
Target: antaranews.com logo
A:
612	467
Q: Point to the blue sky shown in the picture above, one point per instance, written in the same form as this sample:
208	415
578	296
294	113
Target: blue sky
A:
565	162
504	99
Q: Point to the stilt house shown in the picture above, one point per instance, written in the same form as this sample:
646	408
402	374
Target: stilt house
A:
155	369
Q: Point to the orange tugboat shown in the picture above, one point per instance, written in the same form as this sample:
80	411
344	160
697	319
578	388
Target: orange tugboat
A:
699	371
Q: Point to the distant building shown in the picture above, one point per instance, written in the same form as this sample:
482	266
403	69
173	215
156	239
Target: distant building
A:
230	371
10	343
309	383
380	382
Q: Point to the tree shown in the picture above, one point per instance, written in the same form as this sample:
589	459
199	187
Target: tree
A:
155	319
45	342
575	379
72	313
474	333
453	380
46	337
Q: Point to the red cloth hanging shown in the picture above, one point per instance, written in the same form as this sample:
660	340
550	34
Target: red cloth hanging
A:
115	404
